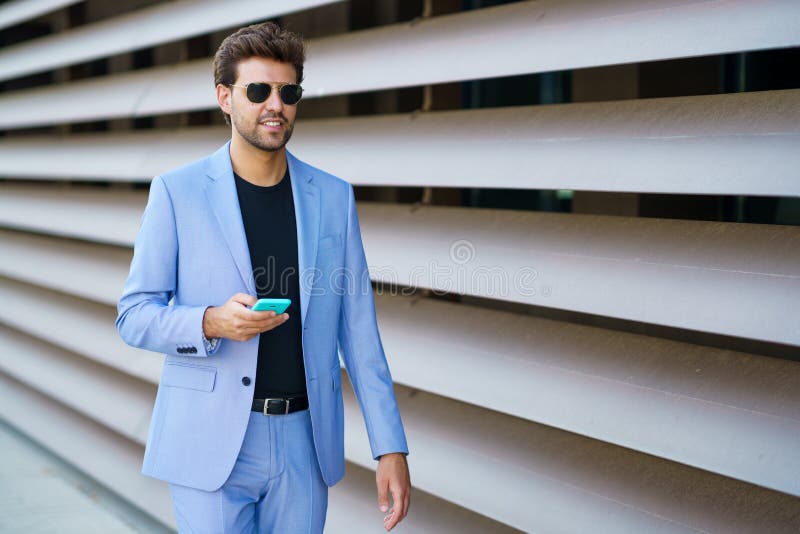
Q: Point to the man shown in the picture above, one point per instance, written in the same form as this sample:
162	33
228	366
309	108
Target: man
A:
247	426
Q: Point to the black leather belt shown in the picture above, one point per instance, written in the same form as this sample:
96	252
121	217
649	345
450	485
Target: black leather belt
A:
280	406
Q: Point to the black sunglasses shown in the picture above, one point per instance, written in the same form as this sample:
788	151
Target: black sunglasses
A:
257	92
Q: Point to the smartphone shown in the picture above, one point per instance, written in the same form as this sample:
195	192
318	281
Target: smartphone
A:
277	305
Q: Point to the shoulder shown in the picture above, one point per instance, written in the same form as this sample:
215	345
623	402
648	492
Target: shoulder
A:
185	176
326	181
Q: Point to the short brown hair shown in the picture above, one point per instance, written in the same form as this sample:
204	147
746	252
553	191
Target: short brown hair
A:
267	40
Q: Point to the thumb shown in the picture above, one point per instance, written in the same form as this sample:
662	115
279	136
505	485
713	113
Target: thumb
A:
383	496
244	298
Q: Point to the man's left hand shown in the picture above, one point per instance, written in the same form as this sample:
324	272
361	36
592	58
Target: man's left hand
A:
393	477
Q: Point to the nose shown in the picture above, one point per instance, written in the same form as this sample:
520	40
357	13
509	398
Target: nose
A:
274	102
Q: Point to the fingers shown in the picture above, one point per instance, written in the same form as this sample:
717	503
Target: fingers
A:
392	477
259	319
240	323
383	495
398	510
401	500
271	322
252	327
244	298
266	319
243	323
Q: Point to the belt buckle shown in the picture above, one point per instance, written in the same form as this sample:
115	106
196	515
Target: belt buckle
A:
266	406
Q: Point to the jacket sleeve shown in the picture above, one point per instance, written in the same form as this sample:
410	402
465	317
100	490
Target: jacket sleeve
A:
362	350
145	319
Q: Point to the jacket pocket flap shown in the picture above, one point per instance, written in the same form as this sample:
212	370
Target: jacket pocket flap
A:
189	376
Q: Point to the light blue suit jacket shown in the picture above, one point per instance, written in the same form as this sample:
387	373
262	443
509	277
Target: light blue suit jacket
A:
192	247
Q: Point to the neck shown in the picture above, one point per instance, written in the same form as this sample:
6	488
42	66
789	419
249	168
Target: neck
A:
257	166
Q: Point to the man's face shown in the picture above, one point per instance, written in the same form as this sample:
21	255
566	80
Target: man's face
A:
249	119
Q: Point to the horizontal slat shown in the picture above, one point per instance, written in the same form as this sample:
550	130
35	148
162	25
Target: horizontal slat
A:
604	373
697	275
586	34
130	156
716	144
130	94
541	479
16	11
615	489
117	401
122	404
67	321
45	209
521	37
352	507
169	21
684	274
85	270
726	412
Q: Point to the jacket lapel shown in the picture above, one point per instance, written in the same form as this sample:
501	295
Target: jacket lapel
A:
224	201
307	213
220	189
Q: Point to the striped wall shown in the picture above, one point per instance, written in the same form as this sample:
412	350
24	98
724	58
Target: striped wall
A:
571	372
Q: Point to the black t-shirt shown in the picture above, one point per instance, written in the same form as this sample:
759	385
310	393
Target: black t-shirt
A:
271	230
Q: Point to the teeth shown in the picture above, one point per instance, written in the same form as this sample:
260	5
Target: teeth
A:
272	123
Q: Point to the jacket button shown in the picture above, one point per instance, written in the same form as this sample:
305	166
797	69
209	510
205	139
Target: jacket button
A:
246	380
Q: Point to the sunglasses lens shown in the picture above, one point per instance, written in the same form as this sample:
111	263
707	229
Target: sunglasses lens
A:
291	93
258	92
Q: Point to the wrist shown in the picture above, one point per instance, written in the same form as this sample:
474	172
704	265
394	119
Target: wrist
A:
208	322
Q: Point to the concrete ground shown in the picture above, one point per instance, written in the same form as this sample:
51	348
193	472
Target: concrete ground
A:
40	493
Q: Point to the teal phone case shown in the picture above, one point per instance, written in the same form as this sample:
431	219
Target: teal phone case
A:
277	305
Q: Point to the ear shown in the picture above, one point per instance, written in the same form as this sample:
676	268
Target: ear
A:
224	98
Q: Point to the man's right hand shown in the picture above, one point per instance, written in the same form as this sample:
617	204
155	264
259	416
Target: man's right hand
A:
234	320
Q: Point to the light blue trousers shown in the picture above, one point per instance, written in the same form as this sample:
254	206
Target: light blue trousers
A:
275	486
